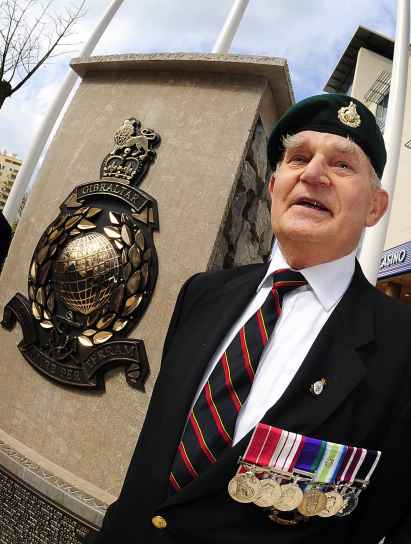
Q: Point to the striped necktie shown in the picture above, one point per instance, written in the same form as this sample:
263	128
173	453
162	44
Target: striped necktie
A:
211	422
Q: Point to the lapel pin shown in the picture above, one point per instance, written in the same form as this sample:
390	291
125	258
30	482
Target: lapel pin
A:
317	387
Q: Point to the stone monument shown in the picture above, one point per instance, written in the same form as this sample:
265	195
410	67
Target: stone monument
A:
64	450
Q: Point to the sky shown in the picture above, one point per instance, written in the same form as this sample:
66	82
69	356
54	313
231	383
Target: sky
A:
310	34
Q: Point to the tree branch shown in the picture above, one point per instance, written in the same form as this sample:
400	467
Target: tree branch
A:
11	33
24	47
30	34
72	19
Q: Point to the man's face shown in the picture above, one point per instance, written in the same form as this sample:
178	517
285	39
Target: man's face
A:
322	196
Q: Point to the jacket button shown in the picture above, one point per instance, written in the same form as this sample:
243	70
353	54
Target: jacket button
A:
159	522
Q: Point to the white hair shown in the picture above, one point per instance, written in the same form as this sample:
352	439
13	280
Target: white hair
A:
291	141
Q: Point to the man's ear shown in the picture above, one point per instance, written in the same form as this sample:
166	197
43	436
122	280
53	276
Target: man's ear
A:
271	184
378	206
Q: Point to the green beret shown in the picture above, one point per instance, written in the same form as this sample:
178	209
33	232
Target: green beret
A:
336	114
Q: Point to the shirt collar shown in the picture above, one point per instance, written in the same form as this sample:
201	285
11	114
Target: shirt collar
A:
329	281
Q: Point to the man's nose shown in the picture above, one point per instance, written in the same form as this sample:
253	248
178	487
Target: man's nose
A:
315	172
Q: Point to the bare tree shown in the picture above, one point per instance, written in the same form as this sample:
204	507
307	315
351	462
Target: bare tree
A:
30	33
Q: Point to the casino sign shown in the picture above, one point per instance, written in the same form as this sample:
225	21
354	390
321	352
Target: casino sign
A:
93	273
395	261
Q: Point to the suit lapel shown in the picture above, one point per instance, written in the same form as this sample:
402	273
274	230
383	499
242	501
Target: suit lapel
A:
333	356
204	330
189	355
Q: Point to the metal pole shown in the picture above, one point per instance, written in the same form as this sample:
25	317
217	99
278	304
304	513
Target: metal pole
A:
26	171
225	39
374	239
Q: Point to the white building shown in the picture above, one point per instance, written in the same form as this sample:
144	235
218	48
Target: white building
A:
364	72
9	167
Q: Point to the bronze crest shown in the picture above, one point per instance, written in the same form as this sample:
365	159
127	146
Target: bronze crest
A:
93	273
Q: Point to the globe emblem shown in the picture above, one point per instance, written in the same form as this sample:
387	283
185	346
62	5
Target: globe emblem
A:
85	272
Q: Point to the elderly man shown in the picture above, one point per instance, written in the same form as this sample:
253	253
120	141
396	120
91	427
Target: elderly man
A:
305	345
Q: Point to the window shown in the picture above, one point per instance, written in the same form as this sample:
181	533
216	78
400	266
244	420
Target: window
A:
378	94
381	112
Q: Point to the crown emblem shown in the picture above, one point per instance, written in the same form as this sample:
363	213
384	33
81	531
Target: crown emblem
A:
349	116
132	154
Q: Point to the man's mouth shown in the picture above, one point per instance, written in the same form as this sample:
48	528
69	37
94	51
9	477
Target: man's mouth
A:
311	203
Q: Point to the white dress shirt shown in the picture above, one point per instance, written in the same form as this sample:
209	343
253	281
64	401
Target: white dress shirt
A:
305	311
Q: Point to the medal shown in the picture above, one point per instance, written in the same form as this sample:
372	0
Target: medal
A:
291	496
349	505
269	493
244	487
332	475
334	504
313	502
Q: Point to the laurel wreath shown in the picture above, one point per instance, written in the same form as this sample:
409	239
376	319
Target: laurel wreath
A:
135	255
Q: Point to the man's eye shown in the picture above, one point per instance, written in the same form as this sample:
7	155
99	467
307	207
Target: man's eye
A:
343	164
298	159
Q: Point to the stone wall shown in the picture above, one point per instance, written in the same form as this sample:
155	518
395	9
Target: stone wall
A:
246	236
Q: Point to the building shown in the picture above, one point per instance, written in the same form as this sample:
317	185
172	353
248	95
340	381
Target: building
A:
364	72
9	167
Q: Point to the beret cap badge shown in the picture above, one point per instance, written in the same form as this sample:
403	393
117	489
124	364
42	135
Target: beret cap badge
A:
349	116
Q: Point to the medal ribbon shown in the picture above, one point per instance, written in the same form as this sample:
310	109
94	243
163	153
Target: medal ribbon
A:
311	454
254	453
327	461
369	464
328	468
273	447
351	465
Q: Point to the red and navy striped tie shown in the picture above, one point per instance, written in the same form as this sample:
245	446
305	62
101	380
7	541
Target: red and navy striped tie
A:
211	422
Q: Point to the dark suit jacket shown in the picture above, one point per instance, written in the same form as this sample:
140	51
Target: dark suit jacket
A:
363	351
5	238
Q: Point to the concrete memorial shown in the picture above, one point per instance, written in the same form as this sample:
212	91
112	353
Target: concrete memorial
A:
99	264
